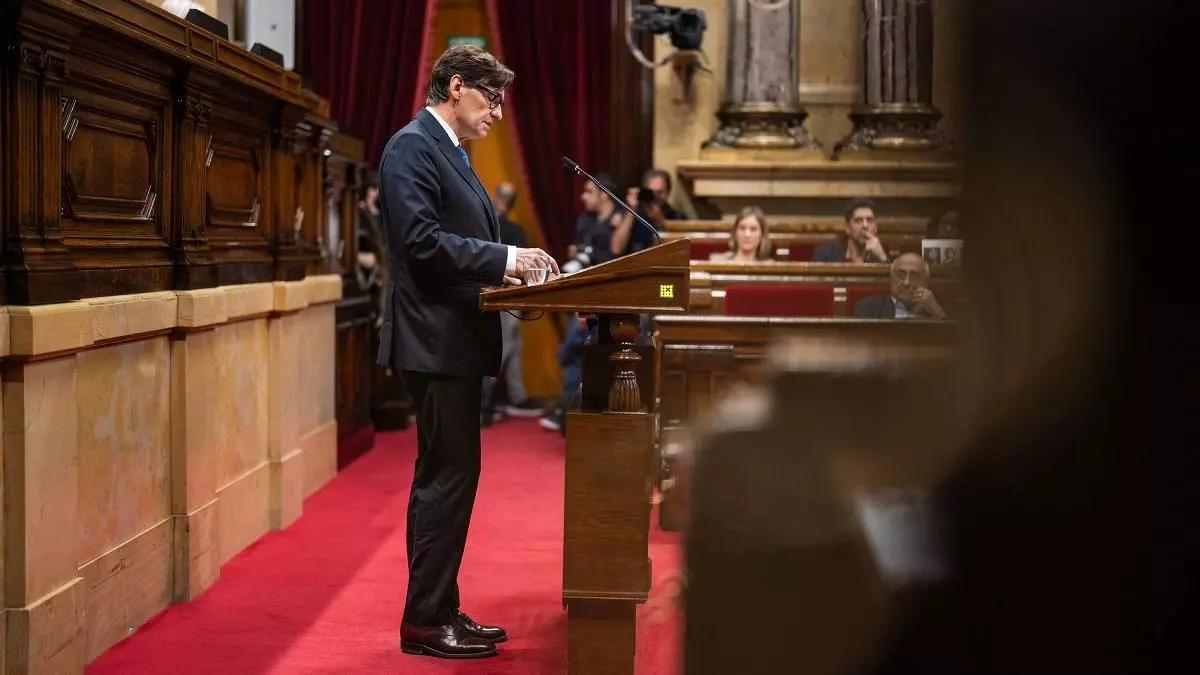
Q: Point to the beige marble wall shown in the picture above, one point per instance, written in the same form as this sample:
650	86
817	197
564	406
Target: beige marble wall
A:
830	66
240	362
137	462
124	513
123	399
243	488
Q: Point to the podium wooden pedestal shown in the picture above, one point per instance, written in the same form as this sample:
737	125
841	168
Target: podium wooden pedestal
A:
610	463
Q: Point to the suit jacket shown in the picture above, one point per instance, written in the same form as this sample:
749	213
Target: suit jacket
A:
443	243
878	306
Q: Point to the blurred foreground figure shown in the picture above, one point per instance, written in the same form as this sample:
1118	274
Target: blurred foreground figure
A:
1041	484
811	515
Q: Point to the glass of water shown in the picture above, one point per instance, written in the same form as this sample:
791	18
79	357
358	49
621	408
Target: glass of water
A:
536	275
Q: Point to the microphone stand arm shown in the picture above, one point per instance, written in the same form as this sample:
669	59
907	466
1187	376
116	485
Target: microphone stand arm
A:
572	166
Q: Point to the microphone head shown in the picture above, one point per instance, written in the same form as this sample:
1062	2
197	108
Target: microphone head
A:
569	164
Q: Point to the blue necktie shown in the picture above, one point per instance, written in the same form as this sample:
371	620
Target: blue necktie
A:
462	152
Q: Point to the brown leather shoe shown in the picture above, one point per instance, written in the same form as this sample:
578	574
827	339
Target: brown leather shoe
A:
446	642
493	634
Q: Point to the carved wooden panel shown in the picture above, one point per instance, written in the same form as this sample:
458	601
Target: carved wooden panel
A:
112	169
234	184
139	153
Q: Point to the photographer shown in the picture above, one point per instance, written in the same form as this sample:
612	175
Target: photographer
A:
601	232
651	201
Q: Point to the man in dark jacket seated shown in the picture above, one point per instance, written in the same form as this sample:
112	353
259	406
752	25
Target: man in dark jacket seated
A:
910	297
859	243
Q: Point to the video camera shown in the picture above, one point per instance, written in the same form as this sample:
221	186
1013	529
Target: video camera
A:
685	26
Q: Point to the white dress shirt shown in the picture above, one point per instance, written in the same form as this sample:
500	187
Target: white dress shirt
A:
510	267
902	310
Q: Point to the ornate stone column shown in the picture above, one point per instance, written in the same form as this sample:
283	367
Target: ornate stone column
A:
762	107
898	113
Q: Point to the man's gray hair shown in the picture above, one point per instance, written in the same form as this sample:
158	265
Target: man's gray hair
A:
474	65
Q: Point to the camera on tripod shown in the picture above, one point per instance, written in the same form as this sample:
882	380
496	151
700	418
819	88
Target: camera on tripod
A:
684	25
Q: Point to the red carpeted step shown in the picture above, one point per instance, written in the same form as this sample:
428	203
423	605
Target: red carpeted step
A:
325	596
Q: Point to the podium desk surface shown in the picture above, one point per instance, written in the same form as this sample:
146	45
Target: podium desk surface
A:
654	280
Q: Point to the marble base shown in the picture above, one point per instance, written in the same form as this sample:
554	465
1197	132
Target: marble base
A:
320	456
125	587
140	452
244	511
196	557
45	637
287	489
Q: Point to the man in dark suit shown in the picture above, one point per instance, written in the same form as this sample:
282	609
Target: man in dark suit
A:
443	244
859	242
910	297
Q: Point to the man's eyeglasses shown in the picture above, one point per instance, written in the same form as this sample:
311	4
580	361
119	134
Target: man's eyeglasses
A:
495	98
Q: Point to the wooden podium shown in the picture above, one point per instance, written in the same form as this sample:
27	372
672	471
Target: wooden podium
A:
610	465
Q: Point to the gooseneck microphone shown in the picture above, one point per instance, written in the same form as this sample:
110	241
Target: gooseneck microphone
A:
570	165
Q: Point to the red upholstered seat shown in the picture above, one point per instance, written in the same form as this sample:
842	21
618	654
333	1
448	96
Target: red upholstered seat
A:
779	300
800	252
701	249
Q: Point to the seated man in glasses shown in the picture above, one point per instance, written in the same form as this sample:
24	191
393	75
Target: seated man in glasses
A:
910	297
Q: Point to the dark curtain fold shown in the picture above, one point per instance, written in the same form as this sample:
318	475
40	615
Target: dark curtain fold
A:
368	57
559	104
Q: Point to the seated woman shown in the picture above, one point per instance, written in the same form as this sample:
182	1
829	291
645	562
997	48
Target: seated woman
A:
749	239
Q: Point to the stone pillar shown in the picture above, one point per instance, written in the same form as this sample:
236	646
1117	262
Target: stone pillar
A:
43	591
898	112
762	110
194	441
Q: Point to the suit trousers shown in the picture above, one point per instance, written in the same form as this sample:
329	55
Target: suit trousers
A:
443	492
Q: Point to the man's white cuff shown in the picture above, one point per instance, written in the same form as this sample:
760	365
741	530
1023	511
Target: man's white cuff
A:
510	267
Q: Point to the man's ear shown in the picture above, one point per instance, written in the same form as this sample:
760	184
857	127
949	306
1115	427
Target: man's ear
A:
456	83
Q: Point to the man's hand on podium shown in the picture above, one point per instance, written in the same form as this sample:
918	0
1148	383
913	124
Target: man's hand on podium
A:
530	259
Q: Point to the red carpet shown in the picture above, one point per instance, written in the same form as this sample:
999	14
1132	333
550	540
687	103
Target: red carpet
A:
326	595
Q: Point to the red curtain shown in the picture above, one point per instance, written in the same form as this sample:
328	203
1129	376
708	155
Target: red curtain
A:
370	58
561	51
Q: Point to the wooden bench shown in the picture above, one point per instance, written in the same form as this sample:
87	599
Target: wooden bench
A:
846	282
792	240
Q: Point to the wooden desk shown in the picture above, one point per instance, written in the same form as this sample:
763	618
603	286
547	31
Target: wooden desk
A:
710	279
148	154
610	461
702	356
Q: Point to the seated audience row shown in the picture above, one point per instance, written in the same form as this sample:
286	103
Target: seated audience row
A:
750	239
